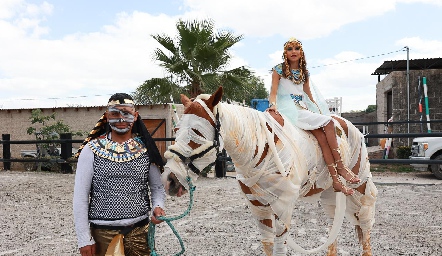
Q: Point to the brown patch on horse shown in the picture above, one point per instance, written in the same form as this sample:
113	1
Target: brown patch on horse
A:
355	168
267	222
314	190
264	152
361	188
280	120
246	190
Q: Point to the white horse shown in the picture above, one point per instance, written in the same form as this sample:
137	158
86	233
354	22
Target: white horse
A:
276	165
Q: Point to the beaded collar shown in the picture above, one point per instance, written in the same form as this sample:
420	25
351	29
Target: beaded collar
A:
114	151
295	77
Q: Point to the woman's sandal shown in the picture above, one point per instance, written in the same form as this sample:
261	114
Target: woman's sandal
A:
348	175
337	184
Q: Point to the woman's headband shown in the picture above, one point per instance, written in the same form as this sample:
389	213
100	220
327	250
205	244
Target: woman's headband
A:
292	40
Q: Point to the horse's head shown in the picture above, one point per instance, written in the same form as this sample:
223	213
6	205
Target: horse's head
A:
196	144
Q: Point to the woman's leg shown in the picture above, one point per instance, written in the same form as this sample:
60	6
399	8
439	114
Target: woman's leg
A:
329	160
343	170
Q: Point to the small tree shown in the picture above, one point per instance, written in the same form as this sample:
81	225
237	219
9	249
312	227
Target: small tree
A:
46	127
370	108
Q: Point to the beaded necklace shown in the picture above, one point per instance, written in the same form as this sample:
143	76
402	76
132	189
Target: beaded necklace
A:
296	76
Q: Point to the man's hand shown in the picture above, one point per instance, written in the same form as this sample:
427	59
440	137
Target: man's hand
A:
88	250
158	211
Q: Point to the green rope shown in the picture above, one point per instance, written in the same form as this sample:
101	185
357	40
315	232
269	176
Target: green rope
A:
151	232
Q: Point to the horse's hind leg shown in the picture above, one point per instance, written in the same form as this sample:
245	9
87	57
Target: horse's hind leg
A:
365	215
328	202
364	239
265	220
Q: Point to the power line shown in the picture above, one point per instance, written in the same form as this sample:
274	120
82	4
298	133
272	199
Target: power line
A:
373	56
60	98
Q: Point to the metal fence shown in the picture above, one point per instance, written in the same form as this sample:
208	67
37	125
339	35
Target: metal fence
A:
64	160
66	142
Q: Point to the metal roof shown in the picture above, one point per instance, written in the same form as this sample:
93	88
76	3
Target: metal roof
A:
401	65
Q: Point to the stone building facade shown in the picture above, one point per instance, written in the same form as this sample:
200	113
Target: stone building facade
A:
15	122
392	101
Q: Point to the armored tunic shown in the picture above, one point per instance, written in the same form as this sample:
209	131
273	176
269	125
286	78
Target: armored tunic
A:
119	187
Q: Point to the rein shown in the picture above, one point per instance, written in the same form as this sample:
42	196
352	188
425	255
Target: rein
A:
168	220
188	161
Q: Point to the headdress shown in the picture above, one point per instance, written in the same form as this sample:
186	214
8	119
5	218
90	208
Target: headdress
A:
292	40
120	102
139	128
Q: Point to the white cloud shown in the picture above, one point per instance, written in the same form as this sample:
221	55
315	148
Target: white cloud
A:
8	7
264	18
421	48
118	58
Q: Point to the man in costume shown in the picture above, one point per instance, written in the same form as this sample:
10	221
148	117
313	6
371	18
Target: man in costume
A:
118	185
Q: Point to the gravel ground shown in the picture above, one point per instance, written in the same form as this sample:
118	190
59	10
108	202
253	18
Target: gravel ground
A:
36	218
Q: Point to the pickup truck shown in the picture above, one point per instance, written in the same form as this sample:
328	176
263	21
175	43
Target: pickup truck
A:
427	148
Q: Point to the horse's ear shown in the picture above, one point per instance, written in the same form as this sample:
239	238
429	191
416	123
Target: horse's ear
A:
216	97
185	100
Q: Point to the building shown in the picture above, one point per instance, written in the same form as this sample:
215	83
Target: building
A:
393	100
158	119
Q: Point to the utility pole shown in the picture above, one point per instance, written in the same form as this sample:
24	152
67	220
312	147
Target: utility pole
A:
408	92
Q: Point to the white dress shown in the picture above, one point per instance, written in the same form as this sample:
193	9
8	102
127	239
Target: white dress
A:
294	104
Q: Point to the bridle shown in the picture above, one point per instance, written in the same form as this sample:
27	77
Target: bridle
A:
188	160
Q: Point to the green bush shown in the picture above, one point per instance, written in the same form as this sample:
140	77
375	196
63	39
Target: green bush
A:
403	152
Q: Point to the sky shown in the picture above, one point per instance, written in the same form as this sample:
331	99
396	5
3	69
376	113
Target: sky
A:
60	53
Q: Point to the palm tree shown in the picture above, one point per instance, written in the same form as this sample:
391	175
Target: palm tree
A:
195	63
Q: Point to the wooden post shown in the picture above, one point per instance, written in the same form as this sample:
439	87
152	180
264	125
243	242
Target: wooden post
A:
66	152
220	164
6	152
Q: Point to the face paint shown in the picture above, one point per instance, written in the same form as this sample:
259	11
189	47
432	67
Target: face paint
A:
116	115
120	131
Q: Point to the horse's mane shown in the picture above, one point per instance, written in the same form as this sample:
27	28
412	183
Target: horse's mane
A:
246	137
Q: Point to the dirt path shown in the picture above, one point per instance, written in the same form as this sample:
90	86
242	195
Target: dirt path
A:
36	218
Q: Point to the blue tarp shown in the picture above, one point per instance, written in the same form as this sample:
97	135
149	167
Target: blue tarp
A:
260	104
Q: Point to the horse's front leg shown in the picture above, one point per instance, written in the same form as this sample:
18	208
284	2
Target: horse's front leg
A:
265	219
280	247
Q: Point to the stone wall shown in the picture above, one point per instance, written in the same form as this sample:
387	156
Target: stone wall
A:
16	121
397	82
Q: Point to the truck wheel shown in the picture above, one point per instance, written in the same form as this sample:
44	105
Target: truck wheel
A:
437	168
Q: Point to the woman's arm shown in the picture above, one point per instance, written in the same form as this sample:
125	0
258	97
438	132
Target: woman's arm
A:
274	89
